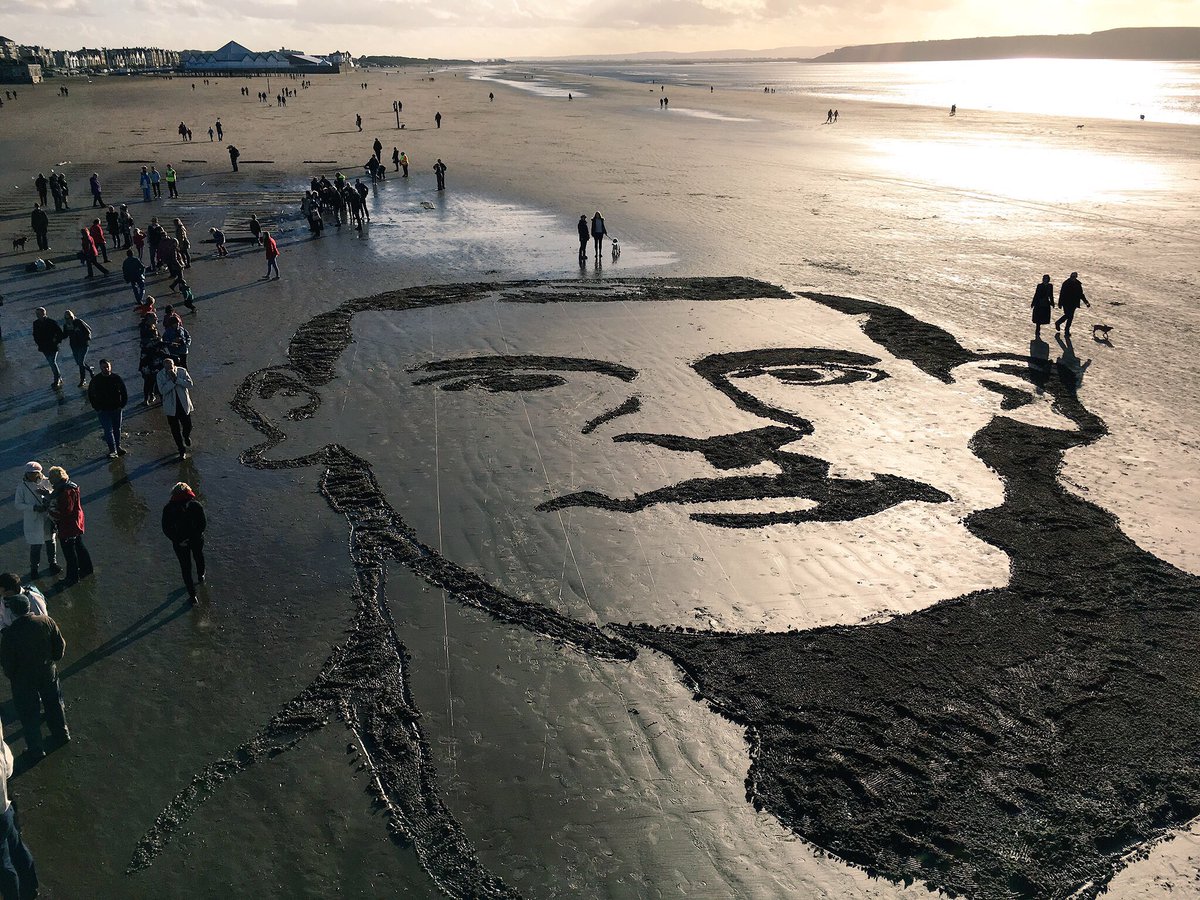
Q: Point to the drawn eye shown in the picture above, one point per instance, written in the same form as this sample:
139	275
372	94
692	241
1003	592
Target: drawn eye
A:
504	382
814	375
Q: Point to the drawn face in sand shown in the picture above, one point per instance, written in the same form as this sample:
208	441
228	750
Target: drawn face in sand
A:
566	455
731	463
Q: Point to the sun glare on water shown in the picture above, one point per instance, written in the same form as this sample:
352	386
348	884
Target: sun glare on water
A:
1021	169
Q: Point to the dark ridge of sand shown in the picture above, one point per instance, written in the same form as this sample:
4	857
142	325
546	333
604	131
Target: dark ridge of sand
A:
1027	741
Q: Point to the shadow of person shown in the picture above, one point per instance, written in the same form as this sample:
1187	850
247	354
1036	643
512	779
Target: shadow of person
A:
1039	364
1068	363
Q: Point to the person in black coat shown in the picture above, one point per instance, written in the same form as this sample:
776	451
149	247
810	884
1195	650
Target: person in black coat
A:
29	648
1070	295
234	153
1043	303
42	185
108	397
584	234
183	522
40	223
48	335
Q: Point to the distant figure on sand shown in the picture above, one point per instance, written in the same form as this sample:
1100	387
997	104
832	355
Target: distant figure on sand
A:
234	153
1043	302
491	97
255	228
598	232
829	117
437	117
358	121
439	169
404	163
220	131
1070	295
144	182
835	116
584	234
953	108
396	158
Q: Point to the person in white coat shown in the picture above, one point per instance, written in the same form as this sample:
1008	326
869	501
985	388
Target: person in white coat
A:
174	385
33	499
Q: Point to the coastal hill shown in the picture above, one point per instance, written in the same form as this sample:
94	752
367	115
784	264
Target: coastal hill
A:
1119	43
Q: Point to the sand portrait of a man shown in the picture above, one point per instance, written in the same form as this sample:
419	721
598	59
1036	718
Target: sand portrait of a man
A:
827	514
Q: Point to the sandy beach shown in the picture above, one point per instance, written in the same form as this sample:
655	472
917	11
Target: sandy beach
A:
560	767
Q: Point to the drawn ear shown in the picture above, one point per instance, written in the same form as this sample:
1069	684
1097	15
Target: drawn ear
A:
282	407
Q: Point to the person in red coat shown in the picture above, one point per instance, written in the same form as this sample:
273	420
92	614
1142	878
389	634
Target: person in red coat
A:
87	252
66	509
96	230
272	251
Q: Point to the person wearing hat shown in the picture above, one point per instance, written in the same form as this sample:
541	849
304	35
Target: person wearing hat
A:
183	522
33	499
67	510
18	875
10	586
29	648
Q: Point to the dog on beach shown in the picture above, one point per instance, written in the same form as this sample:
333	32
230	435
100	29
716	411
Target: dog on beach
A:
616	249
1102	331
19	243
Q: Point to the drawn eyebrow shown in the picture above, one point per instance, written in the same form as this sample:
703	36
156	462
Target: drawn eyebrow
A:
722	363
444	369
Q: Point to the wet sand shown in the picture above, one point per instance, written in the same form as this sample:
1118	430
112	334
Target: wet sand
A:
158	692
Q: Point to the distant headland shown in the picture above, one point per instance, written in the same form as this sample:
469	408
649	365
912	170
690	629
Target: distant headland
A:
1119	43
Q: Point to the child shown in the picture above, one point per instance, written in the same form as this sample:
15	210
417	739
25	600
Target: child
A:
219	239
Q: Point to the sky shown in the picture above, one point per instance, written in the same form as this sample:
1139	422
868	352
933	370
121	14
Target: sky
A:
481	29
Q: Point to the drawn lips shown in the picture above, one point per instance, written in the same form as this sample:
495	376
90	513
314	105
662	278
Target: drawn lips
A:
837	499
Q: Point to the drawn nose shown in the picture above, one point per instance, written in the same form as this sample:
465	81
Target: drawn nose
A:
741	449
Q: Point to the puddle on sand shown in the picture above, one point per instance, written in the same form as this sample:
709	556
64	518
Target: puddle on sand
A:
706	114
473	234
536	86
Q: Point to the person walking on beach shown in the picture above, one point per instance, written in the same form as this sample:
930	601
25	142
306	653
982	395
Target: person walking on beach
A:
176	339
97	195
404	163
172	177
220	131
234	153
32	498
439	169
1043	303
378	148
56	191
96	230
953	109
218	237
134	274
47	335
150	363
271	250
174	386
255	228
183	523
437	117
78	336
88	253
40	223
210	134
829	116
66	508
42	186
156	182
20	878
396	158
112	220
125	222
358	121
144	183
598	233
154	236
584	234
108	397
29	649
835	116
185	245
1070	295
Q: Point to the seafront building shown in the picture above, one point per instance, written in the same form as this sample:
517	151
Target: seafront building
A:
16	58
234	59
